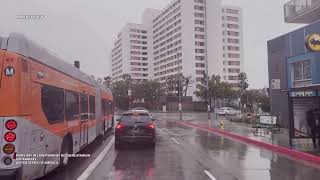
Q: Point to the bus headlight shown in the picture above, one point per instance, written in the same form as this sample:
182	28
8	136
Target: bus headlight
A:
7	161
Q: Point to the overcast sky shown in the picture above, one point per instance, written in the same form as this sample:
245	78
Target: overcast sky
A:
85	29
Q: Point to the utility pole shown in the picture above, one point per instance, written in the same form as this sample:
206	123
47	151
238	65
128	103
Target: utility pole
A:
206	53
179	89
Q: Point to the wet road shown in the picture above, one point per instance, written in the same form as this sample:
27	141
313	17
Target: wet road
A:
187	154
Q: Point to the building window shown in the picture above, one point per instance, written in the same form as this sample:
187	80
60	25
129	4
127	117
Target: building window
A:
235	41
201	8
200	65
199	50
199	36
72	105
201	58
232	33
231	18
234	63
232	11
302	70
199	22
233	26
198	14
232	55
233	48
52	103
233	78
199	29
233	70
199	43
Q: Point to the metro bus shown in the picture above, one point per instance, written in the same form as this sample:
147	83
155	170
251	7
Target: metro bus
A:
47	106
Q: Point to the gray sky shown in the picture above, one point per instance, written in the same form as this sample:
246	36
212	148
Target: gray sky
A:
85	29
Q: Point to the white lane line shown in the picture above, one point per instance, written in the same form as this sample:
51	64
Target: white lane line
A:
162	132
172	139
96	162
210	175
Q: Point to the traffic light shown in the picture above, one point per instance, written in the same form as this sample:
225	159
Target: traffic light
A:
130	99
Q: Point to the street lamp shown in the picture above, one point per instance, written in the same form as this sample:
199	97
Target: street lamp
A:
179	90
206	56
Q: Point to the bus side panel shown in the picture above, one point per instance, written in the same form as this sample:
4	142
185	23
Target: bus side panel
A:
10	91
1	63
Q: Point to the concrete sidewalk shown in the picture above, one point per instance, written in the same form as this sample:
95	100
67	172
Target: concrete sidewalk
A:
280	138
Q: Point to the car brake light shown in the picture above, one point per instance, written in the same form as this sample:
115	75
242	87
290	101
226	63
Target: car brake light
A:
11	124
10	136
150	126
120	126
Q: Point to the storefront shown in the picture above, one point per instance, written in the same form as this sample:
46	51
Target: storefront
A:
294	62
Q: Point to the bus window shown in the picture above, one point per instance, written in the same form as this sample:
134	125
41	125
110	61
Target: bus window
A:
72	105
84	104
92	107
103	105
52	102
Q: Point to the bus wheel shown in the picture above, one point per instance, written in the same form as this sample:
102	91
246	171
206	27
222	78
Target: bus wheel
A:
65	149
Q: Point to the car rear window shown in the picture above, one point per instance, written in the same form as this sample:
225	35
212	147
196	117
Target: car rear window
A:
135	118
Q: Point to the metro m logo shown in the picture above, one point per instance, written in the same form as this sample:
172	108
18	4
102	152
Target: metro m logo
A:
9	71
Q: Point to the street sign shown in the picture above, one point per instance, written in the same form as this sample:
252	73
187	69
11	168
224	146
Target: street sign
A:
129	92
275	84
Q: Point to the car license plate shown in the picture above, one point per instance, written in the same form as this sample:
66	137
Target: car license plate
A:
135	131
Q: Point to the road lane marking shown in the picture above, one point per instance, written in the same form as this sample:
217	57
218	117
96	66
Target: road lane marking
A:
162	132
96	162
172	139
210	175
168	132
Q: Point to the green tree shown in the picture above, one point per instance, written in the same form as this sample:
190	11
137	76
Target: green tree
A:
228	92
120	94
243	86
150	91
215	90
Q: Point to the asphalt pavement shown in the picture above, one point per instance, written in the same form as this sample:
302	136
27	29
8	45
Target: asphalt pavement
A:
184	153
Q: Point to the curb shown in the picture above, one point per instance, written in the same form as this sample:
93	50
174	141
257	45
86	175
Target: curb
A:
275	148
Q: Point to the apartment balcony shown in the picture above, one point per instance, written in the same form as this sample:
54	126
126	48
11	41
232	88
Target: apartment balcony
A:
302	11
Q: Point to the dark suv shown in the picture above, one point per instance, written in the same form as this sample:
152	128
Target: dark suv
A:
135	127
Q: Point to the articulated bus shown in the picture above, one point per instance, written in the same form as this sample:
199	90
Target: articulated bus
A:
47	106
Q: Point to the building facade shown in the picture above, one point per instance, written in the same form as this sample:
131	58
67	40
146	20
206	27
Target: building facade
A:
294	66
187	37
232	47
130	53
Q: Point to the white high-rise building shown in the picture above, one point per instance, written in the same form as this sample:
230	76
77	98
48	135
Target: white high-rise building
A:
232	47
130	53
183	37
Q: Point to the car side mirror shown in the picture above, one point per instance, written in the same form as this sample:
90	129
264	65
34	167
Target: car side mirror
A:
118	120
153	119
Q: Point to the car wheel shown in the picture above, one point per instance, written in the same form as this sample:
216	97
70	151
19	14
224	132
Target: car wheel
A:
65	149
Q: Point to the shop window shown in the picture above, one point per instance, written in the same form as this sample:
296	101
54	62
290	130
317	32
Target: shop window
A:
52	103
301	70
